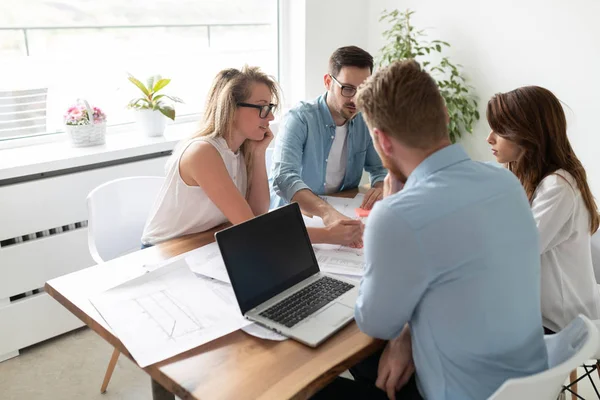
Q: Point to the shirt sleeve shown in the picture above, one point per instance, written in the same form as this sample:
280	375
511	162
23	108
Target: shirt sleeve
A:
287	157
395	276
552	206
373	165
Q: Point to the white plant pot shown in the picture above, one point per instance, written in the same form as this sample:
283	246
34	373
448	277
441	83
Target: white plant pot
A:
150	122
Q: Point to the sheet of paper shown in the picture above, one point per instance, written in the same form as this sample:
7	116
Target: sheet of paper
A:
334	258
340	260
166	312
314	222
225	292
207	261
263	333
344	205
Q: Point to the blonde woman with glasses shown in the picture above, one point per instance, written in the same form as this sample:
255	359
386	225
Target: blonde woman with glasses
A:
219	174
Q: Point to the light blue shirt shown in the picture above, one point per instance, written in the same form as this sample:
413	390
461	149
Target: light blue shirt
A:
455	255
302	148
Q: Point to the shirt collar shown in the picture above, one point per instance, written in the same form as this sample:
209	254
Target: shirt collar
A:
326	113
437	161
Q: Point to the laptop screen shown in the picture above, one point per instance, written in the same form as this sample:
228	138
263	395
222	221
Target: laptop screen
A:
267	255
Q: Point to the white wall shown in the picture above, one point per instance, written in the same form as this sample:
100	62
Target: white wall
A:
331	24
316	29
512	43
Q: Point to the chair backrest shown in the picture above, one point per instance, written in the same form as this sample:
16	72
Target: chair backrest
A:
22	112
117	213
567	350
596	254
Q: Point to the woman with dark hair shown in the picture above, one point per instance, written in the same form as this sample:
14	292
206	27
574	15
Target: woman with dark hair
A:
529	136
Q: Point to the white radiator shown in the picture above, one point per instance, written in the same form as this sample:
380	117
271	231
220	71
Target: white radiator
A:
43	235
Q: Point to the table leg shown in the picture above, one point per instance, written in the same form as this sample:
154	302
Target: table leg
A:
160	393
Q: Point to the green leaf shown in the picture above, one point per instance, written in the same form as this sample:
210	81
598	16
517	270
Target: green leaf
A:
139	84
150	81
172	98
160	84
167	111
135	103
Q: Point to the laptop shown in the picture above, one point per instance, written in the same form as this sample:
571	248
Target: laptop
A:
276	278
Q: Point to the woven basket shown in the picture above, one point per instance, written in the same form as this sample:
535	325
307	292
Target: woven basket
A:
87	135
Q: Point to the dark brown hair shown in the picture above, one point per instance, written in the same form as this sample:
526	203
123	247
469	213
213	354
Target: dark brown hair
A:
349	56
404	101
533	118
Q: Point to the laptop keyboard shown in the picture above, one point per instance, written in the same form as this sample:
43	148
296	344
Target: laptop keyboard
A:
305	302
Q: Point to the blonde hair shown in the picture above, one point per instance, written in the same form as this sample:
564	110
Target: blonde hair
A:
230	87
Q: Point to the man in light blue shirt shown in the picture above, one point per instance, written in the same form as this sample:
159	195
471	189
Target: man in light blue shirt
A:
452	275
323	146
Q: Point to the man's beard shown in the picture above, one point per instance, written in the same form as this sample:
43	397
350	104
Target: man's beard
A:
391	167
388	162
345	113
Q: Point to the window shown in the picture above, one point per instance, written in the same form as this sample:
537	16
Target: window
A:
56	52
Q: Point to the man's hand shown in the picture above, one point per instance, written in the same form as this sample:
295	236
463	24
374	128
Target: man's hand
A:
332	216
391	185
374	194
396	364
347	232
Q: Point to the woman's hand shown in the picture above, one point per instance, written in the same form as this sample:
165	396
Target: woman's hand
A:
260	146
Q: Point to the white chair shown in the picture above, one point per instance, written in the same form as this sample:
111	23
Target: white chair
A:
117	213
589	369
568	349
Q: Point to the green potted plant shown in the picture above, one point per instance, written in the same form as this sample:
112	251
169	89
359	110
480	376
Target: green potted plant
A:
152	108
405	42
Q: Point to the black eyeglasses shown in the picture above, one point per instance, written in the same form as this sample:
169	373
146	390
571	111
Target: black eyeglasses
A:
263	111
347	90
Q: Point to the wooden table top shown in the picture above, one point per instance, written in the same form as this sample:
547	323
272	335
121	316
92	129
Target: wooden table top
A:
236	366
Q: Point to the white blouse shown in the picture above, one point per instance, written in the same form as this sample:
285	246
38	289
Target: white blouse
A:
569	286
181	209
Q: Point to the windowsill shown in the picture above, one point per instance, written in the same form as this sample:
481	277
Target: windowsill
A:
58	154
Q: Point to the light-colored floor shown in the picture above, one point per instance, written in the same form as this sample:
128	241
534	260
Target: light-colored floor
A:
72	366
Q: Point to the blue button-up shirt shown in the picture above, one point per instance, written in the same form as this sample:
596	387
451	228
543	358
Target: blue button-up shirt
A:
455	255
302	148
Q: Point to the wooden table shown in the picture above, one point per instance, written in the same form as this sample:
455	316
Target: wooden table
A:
236	366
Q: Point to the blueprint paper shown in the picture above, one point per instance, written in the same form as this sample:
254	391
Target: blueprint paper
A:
166	312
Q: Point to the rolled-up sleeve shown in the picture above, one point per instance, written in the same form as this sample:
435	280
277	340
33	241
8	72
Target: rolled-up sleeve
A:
552	207
287	157
395	276
373	165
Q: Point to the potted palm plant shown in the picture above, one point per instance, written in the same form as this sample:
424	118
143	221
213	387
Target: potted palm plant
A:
152	108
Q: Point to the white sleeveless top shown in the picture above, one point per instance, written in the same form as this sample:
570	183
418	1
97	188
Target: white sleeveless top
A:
181	209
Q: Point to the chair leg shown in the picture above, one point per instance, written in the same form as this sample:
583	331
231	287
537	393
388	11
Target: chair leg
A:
573	378
109	370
